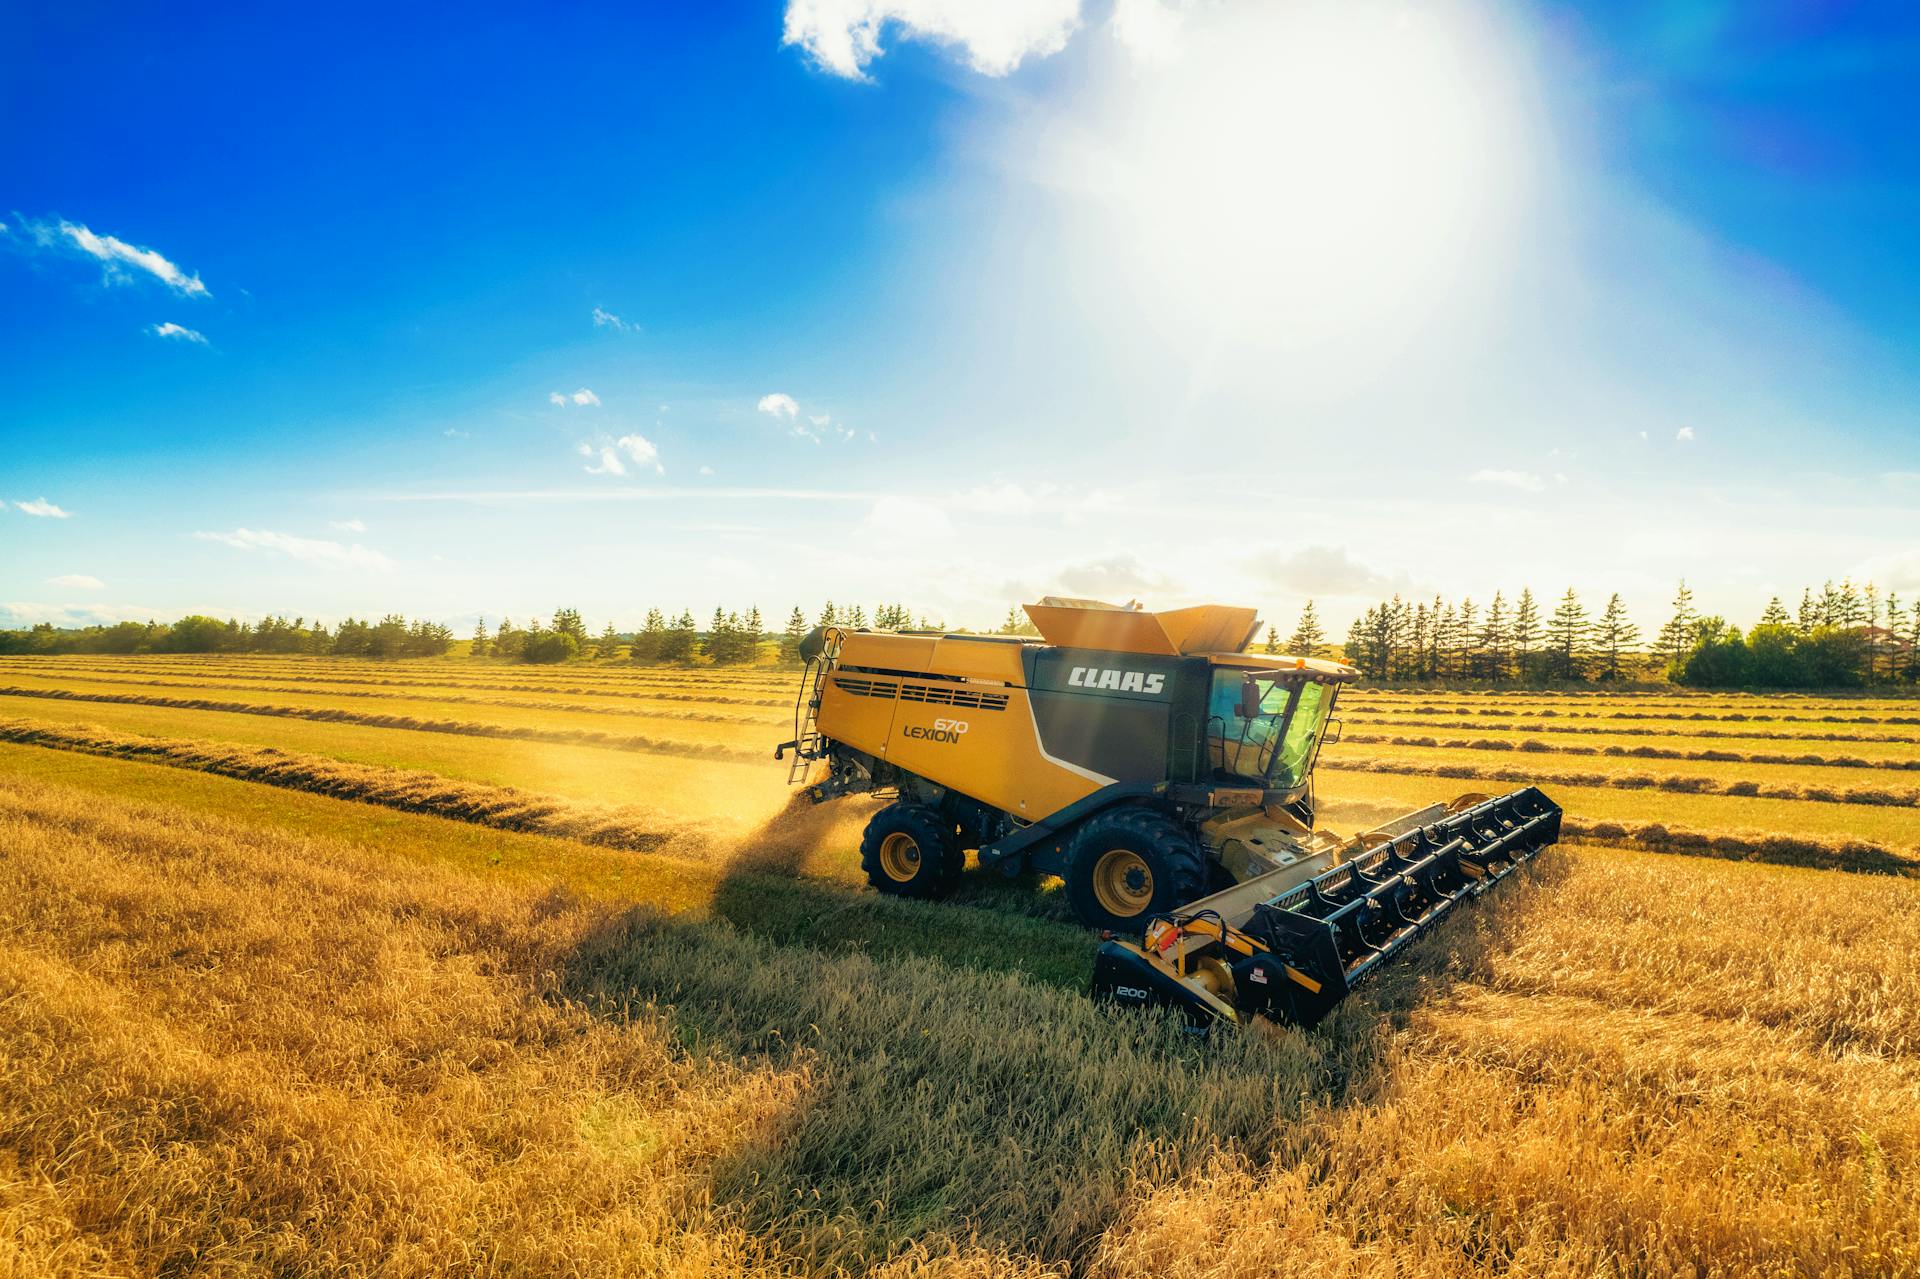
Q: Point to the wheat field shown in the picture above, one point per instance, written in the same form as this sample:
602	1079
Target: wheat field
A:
326	966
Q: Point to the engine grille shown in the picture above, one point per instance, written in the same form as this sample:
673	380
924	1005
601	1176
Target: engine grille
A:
926	694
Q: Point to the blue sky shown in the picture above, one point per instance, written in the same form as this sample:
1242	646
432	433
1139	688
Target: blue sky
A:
347	311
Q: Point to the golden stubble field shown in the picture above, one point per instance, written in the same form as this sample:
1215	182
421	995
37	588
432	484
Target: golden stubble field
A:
319	966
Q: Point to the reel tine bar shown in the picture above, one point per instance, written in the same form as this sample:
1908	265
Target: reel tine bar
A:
1342	924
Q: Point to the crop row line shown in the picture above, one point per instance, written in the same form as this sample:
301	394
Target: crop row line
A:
1707	756
464	728
1633	781
399	695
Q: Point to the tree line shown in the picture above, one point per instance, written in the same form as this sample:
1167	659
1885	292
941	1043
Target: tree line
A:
391	636
1843	636
731	638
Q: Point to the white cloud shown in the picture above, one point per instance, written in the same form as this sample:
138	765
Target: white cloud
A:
455	433
118	255
30	613
605	319
42	507
554	397
904	519
706	470
642	452
1895	571
1150	30
1318	571
1684	434
995	36
1114	578
609	462
815	427
347	526
581	397
77	582
1525	481
179	331
309	550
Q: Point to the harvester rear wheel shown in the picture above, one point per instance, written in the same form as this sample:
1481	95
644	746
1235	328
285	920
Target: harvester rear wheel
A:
1130	865
909	851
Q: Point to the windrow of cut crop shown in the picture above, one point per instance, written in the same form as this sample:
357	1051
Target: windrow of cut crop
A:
368	672
1691	734
410	723
497	686
1707	755
1629	781
1704	717
403	695
503	807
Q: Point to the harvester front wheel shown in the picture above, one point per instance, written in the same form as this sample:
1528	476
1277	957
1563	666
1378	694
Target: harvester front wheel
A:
909	851
1130	865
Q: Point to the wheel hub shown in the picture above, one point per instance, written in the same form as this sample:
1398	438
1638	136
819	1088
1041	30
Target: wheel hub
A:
900	856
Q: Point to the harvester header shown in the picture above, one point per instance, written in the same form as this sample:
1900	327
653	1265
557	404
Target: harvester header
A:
1165	774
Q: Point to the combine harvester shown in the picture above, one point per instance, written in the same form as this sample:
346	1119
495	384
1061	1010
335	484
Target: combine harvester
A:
1162	771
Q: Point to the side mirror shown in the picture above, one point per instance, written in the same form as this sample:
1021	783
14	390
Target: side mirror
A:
1249	698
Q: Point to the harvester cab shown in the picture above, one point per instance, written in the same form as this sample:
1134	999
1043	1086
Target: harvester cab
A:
1165	774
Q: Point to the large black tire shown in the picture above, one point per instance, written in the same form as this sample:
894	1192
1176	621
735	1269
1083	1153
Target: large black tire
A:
1128	865
909	851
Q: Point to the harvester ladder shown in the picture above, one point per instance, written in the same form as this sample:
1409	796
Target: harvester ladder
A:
809	744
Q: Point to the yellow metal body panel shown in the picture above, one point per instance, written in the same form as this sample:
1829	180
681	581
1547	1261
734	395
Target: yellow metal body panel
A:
969	727
955	709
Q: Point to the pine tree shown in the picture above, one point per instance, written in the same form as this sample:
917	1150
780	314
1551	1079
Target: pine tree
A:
1566	638
508	642
651	639
1308	638
479	646
1892	644
567	621
1525	630
1872	644
1677	636
1807	620
1615	636
856	619
1776	614
1273	639
1913	644
676	642
827	616
791	637
1495	636
1463	656
609	642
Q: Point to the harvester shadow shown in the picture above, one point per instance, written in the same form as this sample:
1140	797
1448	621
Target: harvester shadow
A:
944	1102
794	881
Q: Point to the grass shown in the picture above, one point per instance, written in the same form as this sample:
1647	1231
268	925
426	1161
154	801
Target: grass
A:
269	1051
247	1027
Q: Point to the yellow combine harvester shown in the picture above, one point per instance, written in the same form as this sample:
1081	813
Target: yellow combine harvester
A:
1166	775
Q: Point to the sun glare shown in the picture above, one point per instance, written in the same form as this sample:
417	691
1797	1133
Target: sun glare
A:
1304	176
